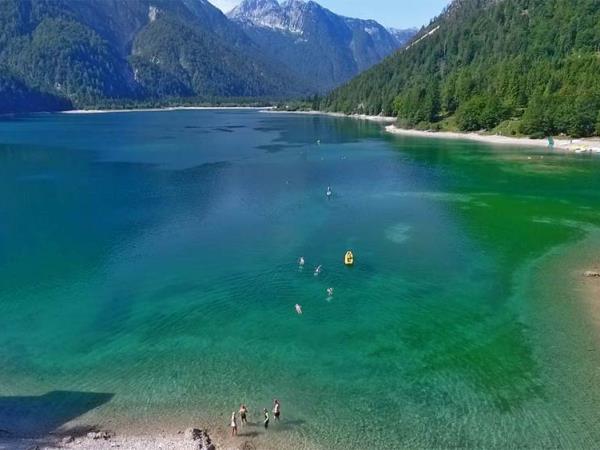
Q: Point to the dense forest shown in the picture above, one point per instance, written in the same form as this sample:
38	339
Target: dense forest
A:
175	57
16	97
59	54
508	66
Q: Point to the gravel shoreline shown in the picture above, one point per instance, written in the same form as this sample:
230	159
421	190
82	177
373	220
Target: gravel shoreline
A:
191	439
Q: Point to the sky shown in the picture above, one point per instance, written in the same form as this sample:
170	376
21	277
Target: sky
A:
391	13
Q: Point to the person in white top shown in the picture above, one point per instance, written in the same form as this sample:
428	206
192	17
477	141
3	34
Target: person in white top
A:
233	424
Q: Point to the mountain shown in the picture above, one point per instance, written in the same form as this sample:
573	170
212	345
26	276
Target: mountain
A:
17	97
319	46
87	51
204	55
403	36
512	66
57	54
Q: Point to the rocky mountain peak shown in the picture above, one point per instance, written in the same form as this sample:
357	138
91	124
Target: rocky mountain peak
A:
266	13
288	16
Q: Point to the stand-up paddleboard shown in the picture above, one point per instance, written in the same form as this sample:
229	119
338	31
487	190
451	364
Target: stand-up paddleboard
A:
349	258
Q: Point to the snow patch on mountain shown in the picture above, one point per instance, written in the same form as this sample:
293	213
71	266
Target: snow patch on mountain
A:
289	16
152	13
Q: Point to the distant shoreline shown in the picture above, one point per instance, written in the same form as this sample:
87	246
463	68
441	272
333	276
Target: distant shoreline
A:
381	119
574	145
169	108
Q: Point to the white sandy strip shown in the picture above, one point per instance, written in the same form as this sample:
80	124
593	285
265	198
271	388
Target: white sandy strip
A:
576	145
173	108
384	119
468	136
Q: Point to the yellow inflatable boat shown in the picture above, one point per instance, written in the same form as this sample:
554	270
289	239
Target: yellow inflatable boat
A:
349	258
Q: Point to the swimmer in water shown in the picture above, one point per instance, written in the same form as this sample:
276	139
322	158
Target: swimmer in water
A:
329	192
298	309
330	292
301	261
266	420
276	409
318	270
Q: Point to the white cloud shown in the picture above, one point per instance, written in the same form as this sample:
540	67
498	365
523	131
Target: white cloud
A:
225	5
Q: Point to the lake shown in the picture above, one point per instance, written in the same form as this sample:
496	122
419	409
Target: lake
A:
148	277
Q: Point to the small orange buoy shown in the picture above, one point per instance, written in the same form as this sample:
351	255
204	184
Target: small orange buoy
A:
349	258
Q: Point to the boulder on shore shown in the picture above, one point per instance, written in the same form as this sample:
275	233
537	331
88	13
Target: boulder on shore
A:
67	440
201	437
591	274
106	435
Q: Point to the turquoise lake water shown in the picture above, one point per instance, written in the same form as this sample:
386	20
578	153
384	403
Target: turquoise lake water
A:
148	279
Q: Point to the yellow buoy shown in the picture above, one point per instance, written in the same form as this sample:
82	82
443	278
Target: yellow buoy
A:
349	258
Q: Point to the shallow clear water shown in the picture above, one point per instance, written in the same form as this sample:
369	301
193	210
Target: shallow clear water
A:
148	274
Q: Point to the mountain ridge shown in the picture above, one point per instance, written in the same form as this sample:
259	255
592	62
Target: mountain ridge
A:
298	30
122	50
86	53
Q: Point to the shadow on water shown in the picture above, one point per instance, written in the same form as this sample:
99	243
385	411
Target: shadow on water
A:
286	425
250	434
328	130
40	416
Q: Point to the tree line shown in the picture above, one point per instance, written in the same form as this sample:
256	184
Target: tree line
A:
516	66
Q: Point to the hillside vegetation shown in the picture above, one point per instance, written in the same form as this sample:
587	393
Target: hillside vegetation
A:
517	66
58	54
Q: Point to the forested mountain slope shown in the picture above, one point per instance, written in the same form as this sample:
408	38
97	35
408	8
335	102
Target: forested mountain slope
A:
17	97
88	51
57	54
530	66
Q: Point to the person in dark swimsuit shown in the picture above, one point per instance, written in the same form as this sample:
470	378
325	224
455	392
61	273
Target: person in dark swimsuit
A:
243	414
276	409
266	421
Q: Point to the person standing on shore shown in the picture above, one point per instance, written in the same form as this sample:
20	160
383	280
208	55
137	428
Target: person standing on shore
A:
276	409
243	414
266	420
233	424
